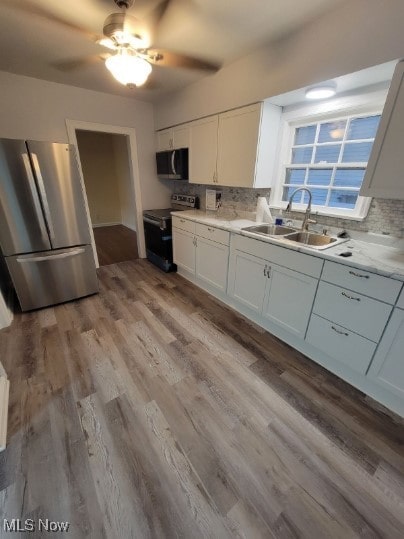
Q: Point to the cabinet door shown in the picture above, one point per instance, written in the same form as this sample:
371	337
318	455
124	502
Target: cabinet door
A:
164	140
184	249
384	173
180	136
237	146
212	260
203	150
387	367
289	299
247	280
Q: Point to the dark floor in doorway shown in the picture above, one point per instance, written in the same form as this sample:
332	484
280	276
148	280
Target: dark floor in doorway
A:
115	243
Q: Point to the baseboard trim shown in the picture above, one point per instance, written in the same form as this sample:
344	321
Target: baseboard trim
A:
132	227
106	224
4	394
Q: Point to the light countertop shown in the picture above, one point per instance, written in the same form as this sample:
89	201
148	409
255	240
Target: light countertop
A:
367	254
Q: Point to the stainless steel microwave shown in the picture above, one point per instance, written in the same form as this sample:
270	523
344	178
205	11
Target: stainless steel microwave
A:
172	164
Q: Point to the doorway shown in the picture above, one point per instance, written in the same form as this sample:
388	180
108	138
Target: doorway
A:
105	164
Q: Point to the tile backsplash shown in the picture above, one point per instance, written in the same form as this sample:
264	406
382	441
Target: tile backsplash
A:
385	216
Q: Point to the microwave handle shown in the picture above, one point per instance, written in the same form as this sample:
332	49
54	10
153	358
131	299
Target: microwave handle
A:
172	163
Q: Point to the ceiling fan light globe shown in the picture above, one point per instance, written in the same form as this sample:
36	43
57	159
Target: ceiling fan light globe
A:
128	69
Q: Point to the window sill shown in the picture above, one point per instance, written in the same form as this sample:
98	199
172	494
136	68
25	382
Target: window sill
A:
313	213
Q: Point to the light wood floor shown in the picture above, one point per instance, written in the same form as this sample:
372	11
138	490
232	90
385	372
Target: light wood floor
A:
151	410
116	243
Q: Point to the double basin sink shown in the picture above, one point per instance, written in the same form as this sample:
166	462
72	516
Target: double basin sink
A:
311	239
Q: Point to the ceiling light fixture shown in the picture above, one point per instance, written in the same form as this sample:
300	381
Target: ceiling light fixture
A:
321	92
128	68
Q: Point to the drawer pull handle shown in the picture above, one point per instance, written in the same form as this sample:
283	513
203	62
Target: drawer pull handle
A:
350	297
265	270
358	275
211	229
182	220
339	331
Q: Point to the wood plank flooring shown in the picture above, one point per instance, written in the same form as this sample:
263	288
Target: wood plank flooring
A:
152	410
116	243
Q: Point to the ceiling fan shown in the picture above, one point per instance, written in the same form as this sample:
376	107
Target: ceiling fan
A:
129	38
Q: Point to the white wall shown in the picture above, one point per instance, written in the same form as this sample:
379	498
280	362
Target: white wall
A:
123	173
37	109
355	35
97	158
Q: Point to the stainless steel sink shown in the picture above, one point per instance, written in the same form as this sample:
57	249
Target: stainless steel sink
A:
270	230
314	240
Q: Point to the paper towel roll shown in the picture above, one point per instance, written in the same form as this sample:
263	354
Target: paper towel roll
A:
263	214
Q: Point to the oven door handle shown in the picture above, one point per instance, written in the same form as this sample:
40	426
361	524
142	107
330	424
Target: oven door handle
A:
155	222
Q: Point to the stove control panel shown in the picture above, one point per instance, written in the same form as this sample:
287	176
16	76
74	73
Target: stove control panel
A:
188	201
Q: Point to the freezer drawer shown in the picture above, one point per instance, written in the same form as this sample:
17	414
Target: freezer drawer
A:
51	277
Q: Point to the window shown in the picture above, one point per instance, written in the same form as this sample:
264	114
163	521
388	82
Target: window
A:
329	157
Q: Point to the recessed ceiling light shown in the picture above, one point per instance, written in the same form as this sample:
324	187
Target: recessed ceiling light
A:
320	92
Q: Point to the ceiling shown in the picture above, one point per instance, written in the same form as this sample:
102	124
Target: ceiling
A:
220	31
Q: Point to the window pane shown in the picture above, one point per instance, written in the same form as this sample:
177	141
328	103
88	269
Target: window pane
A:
305	135
287	191
343	199
363	127
332	131
349	177
357	152
319	176
302	155
295	175
327	154
319	197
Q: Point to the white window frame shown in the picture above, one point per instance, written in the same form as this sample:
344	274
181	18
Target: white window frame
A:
338	109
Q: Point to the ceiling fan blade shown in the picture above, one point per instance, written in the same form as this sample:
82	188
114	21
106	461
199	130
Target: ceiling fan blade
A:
172	59
31	8
78	63
107	42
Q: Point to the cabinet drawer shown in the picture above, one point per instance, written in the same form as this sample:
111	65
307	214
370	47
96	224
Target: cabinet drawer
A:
282	256
184	224
400	302
340	344
212	233
364	282
358	313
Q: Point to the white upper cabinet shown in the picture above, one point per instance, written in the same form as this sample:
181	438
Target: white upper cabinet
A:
384	176
203	150
247	144
173	138
236	148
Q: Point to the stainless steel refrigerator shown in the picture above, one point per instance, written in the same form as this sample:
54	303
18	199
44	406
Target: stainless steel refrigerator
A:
44	232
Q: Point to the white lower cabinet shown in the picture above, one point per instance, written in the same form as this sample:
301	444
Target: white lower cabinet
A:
340	344
247	280
289	298
345	321
184	249
388	365
205	259
280	295
212	261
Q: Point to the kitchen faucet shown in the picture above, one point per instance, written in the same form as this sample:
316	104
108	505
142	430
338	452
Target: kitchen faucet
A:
306	220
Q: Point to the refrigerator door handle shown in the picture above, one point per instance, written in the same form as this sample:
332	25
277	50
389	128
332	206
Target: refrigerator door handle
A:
51	257
44	198
34	193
